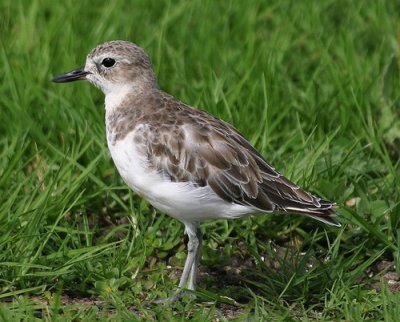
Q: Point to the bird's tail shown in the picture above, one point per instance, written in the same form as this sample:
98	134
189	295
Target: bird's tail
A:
327	217
324	213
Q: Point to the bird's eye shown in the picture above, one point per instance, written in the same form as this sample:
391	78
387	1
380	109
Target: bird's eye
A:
108	62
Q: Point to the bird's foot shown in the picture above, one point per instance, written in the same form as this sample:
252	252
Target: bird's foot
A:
172	299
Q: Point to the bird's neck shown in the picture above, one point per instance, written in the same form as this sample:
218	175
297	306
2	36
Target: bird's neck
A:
123	108
115	98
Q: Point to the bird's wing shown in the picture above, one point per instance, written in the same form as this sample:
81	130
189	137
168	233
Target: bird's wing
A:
203	150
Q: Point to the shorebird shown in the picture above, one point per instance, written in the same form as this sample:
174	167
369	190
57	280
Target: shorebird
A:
184	161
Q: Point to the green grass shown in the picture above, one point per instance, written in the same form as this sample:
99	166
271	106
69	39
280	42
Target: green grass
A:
314	85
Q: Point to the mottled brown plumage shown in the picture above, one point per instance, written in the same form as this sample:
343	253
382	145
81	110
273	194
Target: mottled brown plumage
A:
217	155
184	161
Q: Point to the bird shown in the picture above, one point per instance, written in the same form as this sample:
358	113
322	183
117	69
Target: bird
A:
184	161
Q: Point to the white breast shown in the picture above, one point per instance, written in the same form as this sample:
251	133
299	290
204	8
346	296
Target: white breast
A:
181	200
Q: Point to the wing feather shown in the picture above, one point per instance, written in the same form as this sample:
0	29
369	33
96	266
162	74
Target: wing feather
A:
213	153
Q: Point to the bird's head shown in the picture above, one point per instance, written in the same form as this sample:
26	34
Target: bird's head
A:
114	66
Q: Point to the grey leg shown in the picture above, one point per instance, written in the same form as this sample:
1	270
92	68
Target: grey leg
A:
188	278
195	265
192	258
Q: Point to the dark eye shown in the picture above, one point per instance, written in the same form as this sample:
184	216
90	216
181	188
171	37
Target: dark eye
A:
108	62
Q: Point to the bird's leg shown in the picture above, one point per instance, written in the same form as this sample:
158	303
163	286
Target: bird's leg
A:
195	265
190	268
188	278
191	259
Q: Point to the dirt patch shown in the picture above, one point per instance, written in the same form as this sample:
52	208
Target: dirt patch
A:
385	270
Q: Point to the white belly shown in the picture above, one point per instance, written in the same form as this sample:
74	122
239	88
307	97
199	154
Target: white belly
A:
181	200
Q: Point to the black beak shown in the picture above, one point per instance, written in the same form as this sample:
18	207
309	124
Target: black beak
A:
74	75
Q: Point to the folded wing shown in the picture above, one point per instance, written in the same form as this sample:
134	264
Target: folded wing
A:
215	154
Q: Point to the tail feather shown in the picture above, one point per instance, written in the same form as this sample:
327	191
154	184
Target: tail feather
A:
325	213
326	218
